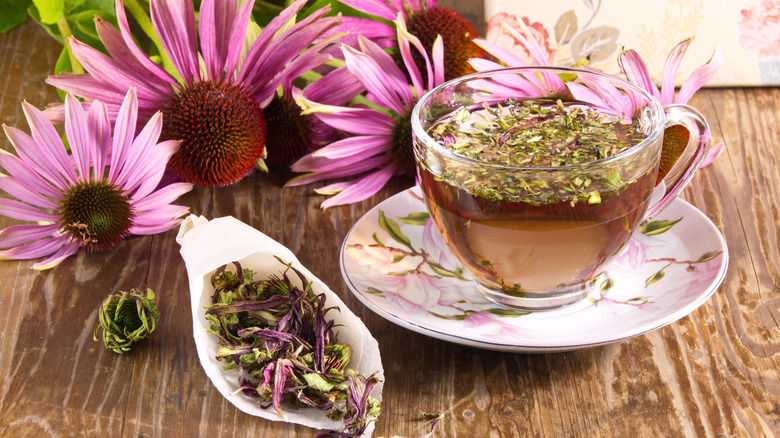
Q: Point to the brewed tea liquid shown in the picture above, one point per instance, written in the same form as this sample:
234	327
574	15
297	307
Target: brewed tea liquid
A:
519	247
525	232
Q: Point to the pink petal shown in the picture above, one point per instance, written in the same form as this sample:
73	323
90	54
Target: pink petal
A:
360	121
20	170
138	155
636	72
236	37
363	146
174	21
97	118
18	210
16	235
137	72
147	177
404	41
37	249
338	170
66	251
362	188
377	81
25	193
78	134
379	8
701	76
139	54
713	153
335	88
47	142
33	156
124	132
671	66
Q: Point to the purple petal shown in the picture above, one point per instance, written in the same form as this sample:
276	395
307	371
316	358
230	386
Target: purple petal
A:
236	37
379	8
636	72
701	76
174	21
381	83
148	176
19	210
158	87
162	197
139	54
360	121
124	132
405	40
671	66
78	134
363	146
67	250
338	170
25	193
16	235
362	188
34	250
20	170
97	119
49	143
35	157
138	157
335	88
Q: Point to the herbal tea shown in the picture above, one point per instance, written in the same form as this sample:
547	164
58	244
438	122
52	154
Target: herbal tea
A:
536	230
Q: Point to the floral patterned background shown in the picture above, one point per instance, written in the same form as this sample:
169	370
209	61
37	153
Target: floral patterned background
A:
748	31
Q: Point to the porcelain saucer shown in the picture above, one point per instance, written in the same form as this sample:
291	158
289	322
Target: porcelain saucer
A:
395	262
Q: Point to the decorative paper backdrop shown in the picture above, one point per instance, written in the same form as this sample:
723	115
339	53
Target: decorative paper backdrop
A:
748	31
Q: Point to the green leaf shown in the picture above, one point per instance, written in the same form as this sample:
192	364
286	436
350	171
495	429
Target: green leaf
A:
50	11
318	382
374	291
656	277
606	286
398	258
506	312
392	228
14	13
655	228
459	317
419	218
708	256
439	269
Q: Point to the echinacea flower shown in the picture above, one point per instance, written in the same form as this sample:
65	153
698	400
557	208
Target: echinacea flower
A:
214	100
126	318
636	72
381	144
105	191
427	21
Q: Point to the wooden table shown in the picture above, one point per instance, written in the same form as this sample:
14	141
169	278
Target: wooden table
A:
715	372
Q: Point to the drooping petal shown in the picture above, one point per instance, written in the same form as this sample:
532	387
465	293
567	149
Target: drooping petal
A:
161	197
16	235
339	170
365	146
405	40
362	188
335	88
379	8
360	121
671	66
383	86
40	248
67	250
636	72
701	76
174	21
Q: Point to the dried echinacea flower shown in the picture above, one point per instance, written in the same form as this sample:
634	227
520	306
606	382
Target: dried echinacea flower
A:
126	318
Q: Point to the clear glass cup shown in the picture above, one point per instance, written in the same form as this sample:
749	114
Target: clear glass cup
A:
538	236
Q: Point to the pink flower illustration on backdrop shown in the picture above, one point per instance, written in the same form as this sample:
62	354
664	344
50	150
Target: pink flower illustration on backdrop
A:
760	29
375	258
498	35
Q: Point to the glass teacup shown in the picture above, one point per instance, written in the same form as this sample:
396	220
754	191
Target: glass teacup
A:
537	177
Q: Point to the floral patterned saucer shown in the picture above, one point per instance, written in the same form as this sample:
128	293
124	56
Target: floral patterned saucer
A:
395	262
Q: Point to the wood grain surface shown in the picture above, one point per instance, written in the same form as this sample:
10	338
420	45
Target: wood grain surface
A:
715	372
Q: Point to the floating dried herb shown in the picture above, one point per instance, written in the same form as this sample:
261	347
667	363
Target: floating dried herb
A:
277	336
536	134
126	318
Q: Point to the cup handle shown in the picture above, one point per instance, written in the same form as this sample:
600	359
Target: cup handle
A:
690	159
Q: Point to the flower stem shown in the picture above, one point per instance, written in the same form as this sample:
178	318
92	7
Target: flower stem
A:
62	25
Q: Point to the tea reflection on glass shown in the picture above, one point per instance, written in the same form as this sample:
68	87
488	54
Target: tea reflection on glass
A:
537	189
